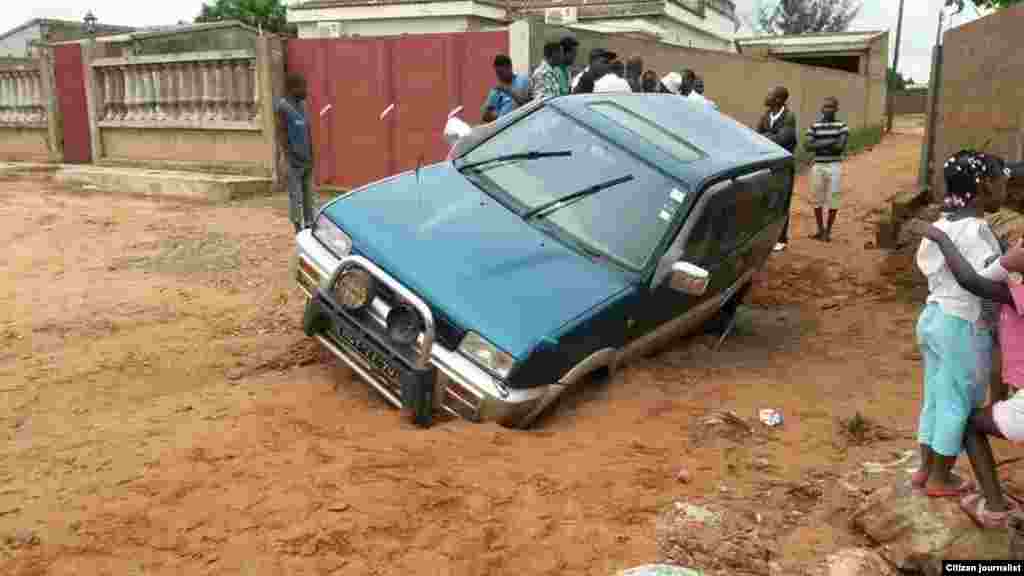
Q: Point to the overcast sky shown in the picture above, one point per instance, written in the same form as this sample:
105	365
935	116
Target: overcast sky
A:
919	23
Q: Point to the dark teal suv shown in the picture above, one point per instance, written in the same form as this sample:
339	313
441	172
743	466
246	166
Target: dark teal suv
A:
563	239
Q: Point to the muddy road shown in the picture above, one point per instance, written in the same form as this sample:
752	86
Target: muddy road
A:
164	414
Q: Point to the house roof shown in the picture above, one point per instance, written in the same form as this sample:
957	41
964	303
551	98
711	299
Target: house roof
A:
42	21
314	4
157	31
811	43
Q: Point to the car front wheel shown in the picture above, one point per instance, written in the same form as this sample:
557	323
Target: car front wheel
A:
720	321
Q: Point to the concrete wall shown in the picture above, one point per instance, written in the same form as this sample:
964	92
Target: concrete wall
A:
711	30
399	26
208	111
28	144
738	83
909	102
979	96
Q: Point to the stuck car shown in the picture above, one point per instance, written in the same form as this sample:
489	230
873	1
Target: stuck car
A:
563	239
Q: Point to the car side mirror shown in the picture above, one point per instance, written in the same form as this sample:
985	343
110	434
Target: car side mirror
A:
456	129
688	279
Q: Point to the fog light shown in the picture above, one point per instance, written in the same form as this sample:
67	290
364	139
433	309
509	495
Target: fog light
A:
354	289
404	325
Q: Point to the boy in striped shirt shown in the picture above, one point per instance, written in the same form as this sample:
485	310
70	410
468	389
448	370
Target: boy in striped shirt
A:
827	138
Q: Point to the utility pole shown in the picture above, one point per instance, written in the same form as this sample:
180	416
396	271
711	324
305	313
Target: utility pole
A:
895	69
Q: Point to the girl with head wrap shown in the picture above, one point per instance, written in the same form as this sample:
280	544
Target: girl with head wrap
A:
1004	415
954	335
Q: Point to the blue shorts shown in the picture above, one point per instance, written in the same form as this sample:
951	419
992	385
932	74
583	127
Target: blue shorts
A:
957	363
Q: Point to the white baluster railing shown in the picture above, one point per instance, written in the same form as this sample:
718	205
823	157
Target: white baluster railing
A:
204	90
22	101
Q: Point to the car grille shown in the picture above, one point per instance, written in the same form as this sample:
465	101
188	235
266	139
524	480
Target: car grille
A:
446	332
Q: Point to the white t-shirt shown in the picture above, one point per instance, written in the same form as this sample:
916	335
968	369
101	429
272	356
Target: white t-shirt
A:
697	97
977	243
612	83
576	78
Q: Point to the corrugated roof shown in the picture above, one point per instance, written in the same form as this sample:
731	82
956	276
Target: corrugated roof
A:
102	28
157	31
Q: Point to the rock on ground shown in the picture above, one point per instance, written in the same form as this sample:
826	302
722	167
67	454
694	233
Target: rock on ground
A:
915	533
857	562
714	538
659	570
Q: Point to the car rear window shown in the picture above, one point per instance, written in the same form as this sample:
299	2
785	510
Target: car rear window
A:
649	131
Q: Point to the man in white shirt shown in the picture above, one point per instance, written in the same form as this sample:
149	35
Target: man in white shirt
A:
672	82
597	54
613	81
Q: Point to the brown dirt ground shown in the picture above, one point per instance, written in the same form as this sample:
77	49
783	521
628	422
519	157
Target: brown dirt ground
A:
164	414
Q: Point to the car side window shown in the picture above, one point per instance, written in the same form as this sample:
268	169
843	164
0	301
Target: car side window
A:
716	232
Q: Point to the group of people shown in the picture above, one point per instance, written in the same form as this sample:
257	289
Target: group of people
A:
975	301
557	75
605	72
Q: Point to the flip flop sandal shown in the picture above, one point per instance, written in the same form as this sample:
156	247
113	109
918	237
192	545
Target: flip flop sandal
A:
965	487
919	479
974	506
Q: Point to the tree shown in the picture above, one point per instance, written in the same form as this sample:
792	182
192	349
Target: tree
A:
897	81
986	4
269	15
807	16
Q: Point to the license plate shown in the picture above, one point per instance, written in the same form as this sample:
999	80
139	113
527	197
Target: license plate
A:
371	357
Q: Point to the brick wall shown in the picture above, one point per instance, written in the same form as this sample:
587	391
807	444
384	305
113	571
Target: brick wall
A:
981	88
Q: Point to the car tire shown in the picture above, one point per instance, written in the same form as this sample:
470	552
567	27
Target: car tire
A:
720	321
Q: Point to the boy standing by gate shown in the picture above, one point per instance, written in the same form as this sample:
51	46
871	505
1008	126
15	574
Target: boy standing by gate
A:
296	144
827	138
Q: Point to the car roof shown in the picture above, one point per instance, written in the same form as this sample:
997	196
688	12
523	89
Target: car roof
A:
728	145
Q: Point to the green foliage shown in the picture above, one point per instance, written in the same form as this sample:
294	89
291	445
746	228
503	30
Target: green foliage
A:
806	16
897	81
269	15
982	4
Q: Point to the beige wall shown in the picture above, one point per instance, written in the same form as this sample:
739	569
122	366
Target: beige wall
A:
980	90
739	83
23	144
231	150
910	102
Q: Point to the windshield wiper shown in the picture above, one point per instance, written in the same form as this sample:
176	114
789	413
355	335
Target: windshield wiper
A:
569	199
531	155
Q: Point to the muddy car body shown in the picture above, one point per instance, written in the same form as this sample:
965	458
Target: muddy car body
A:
563	239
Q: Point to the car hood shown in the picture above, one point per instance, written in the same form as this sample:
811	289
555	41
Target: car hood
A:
473	259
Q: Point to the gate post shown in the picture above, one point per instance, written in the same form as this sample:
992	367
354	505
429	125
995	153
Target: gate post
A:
924	176
91	101
54	138
269	88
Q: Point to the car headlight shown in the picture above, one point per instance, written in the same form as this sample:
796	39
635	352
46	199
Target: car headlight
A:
353	288
332	236
486	354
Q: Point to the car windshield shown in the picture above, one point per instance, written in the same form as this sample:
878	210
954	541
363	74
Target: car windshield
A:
625	222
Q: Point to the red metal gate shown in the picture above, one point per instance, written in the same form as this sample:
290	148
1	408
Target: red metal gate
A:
70	85
424	76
